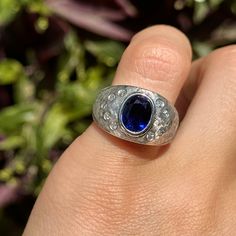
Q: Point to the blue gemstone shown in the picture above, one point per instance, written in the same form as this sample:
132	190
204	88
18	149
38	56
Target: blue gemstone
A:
136	113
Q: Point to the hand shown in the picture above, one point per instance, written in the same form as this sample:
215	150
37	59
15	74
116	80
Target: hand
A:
106	186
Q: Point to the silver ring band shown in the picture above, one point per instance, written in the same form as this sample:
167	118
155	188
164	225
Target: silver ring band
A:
136	115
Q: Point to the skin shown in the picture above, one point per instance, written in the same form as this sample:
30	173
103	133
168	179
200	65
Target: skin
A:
102	185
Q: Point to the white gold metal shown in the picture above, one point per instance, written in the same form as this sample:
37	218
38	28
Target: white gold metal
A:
107	114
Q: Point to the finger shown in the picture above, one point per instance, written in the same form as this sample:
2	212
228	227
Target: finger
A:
210	119
189	88
157	59
89	176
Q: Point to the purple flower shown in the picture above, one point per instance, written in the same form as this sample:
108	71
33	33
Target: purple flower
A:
95	17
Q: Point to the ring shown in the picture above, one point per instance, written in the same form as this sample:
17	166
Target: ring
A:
136	115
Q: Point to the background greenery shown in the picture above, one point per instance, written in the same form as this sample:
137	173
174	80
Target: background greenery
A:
55	55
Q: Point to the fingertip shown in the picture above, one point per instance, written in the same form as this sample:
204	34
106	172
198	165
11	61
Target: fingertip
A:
169	33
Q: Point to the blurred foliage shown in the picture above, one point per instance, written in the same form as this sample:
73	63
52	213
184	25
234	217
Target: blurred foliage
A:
10	8
55	56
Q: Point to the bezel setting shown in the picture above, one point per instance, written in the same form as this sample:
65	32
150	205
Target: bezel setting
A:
133	133
162	124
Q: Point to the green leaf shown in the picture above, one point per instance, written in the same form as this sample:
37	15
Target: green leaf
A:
24	90
78	97
41	24
6	174
11	143
19	165
53	127
201	10
72	60
12	118
81	126
108	52
202	48
10	71
8	10
38	6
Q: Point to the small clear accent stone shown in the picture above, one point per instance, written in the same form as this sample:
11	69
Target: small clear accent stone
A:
114	114
166	113
157	123
150	136
111	97
103	105
158	134
107	116
113	125
121	92
101	112
160	131
160	103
